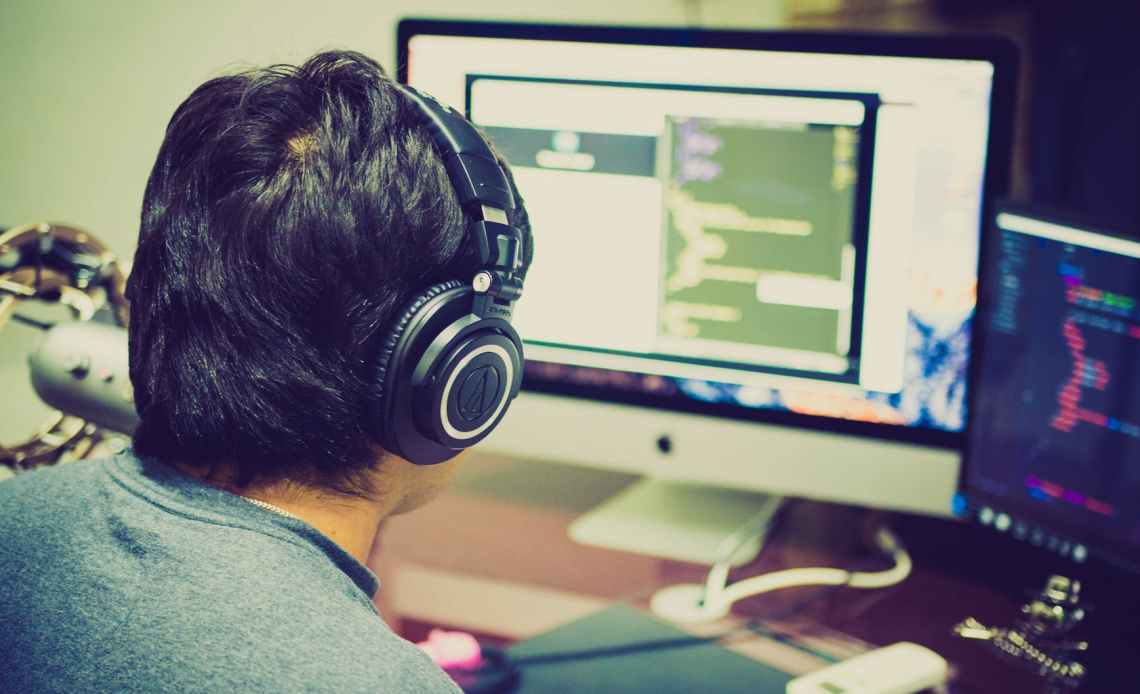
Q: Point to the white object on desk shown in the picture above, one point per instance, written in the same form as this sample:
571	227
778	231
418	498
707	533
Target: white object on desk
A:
691	602
901	668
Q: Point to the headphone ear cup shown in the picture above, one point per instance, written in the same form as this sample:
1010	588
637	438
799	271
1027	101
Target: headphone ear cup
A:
472	387
385	370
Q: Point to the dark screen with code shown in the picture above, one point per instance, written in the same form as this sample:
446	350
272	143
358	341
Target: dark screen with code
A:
1056	430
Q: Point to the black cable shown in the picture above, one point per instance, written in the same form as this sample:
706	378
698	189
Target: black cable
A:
757	627
39	324
624	649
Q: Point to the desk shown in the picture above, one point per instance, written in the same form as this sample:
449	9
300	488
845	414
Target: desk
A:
492	556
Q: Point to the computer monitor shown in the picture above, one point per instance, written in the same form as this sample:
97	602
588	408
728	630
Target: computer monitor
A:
1054	440
756	252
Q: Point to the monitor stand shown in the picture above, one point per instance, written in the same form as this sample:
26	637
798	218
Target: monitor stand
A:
681	521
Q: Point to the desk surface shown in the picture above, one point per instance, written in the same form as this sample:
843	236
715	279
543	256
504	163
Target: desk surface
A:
621	650
492	556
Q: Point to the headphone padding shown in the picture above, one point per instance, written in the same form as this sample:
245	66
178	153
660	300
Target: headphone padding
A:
392	339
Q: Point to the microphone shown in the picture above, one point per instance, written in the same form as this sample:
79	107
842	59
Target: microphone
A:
81	369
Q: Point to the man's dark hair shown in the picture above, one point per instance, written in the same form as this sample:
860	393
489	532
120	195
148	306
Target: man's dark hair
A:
290	213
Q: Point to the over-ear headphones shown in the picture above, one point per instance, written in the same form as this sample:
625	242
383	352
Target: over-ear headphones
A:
451	363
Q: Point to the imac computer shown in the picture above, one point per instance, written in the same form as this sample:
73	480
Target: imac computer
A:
1054	441
756	253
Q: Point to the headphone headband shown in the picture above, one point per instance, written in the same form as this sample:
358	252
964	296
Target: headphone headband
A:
449	366
486	197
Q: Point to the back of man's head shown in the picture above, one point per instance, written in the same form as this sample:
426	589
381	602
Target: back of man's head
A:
290	213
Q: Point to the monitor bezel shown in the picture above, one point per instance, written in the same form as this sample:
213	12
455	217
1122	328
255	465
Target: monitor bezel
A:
1121	554
999	52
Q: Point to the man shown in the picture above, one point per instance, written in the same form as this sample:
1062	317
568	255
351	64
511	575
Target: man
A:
291	213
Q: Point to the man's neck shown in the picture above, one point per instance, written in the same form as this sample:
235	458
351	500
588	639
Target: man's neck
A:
352	522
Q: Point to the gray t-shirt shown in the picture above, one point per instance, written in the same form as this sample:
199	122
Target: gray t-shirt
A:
123	575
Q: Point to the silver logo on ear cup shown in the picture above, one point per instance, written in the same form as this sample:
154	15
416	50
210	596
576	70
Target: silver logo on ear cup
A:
449	401
479	394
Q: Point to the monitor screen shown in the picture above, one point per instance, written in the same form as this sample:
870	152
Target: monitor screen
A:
1055	431
791	229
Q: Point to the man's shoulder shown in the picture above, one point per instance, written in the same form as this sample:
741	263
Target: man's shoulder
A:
48	481
109	592
351	654
284	649
316	632
224	646
39	500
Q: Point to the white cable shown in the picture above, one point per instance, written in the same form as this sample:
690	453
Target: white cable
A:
692	602
729	547
790	578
